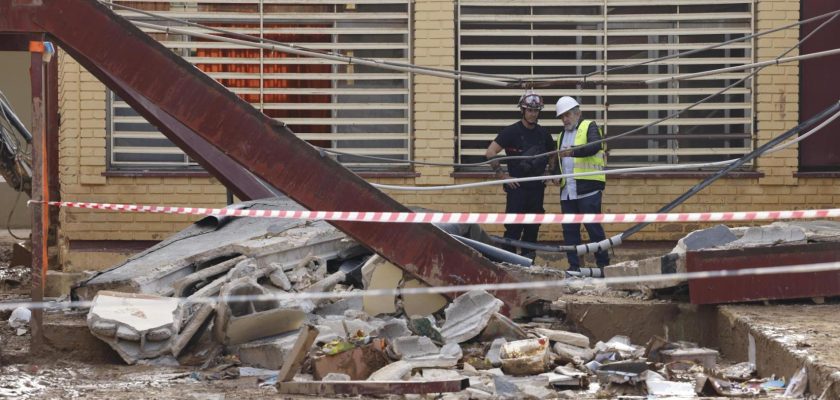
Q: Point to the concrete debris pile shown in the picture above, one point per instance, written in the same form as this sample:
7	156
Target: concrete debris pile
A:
778	235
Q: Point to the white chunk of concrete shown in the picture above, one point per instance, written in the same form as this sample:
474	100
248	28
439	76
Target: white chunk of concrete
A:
468	315
137	326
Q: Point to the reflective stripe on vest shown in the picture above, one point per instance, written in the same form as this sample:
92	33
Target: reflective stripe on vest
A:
594	163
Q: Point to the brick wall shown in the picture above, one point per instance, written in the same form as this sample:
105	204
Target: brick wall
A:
82	151
82	167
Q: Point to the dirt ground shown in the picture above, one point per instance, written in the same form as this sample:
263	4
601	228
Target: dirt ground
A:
57	376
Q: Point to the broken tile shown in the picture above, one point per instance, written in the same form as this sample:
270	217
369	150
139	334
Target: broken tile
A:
413	346
468	315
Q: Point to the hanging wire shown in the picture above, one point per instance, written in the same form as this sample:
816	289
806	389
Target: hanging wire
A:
458	75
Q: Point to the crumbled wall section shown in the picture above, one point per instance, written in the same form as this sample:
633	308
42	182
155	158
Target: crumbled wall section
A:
83	136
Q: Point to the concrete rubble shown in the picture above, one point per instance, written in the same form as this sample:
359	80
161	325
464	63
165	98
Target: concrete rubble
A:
231	294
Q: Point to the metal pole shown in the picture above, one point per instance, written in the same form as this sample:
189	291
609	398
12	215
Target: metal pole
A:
40	191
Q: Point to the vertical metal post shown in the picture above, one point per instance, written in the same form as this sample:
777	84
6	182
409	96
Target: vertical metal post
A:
40	191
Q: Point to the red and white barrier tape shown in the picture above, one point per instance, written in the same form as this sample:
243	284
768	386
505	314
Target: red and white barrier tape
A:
464	218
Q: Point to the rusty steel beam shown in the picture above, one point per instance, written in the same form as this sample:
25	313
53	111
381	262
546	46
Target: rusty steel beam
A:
763	287
176	97
40	191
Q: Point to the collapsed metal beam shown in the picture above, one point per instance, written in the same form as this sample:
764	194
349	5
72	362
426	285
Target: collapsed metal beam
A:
193	110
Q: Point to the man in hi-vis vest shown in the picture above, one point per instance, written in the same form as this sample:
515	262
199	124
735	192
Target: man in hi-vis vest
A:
581	195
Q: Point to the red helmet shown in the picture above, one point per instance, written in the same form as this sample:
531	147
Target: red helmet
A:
531	100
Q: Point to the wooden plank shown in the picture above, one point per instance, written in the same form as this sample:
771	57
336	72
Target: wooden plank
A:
304	341
322	388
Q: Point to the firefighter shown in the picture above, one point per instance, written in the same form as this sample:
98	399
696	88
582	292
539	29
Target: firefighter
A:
524	138
581	195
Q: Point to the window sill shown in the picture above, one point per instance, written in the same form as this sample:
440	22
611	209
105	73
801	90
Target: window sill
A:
205	174
689	175
158	174
826	174
647	175
388	174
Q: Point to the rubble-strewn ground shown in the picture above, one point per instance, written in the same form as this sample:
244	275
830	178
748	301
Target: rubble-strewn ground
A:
48	376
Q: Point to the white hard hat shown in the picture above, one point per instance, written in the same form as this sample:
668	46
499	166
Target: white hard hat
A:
566	103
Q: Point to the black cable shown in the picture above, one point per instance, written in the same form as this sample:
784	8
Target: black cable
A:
746	158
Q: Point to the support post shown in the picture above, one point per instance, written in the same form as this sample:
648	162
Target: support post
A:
40	211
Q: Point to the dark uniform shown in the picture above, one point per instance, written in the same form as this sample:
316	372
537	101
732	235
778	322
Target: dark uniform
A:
517	140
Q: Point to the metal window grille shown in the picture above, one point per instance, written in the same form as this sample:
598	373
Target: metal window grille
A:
539	39
355	109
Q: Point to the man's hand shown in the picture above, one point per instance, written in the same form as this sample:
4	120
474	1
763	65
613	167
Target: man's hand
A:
564	153
500	174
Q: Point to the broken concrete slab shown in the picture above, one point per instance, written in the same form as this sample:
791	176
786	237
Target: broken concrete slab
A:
667	264
243	320
500	326
571	353
137	326
413	346
379	273
818	230
468	315
769	235
717	235
207	243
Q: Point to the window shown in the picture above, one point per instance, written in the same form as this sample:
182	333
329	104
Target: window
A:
541	39
351	108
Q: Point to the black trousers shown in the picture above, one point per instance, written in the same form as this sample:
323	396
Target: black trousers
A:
524	200
571	232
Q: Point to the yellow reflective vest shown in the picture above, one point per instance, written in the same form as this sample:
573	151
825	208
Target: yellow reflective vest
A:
596	162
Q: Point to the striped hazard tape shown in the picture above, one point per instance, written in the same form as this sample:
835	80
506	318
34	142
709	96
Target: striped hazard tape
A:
466	218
